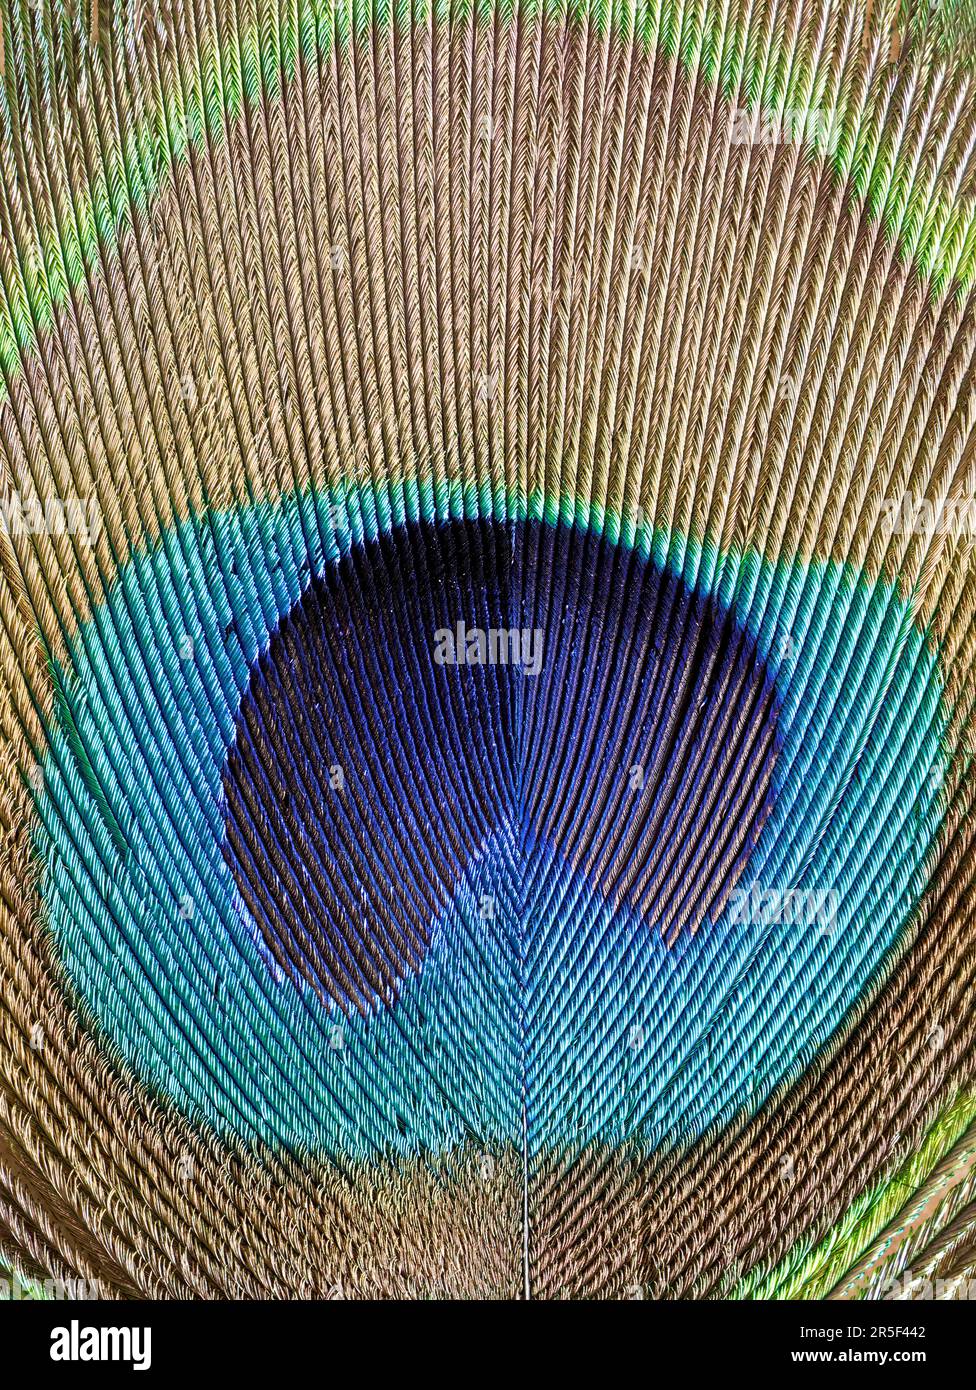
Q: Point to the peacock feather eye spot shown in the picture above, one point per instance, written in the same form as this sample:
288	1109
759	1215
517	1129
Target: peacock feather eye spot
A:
486	647
400	725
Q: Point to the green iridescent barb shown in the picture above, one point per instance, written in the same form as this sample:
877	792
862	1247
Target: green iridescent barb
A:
487	664
53	70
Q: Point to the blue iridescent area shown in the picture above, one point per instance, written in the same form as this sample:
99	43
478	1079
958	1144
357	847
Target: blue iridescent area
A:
489	857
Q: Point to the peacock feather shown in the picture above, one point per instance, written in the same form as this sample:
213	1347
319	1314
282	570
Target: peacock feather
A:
487	657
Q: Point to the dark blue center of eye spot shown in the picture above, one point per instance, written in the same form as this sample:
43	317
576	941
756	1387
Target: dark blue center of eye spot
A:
445	686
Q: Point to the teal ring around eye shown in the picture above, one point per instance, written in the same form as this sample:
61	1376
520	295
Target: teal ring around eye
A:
166	963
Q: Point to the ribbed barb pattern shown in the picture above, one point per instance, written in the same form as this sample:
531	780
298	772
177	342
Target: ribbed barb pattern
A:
486	646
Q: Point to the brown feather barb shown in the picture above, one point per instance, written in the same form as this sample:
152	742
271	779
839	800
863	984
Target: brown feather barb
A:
325	966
